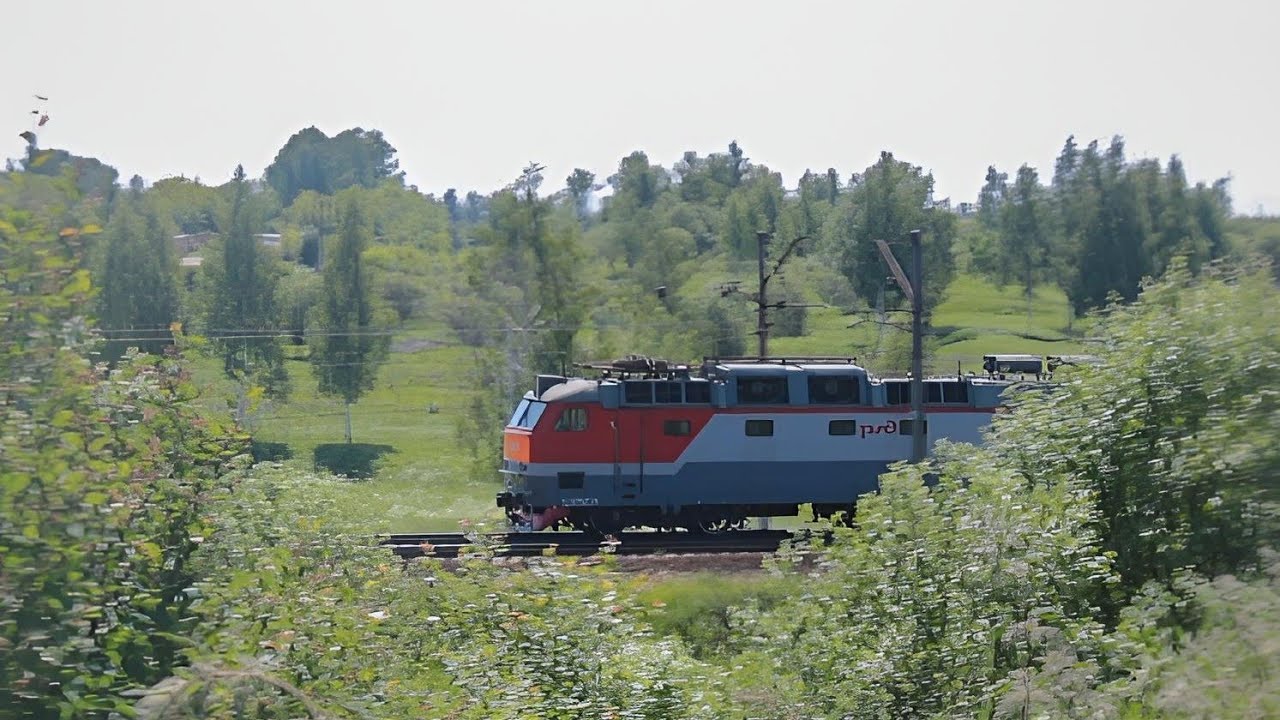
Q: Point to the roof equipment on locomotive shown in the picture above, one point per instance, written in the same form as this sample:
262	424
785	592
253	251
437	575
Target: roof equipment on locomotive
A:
1001	364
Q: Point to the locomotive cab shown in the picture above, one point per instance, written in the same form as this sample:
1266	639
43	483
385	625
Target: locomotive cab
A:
540	443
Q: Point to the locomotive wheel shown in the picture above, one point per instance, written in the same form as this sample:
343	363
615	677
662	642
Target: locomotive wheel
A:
710	525
606	522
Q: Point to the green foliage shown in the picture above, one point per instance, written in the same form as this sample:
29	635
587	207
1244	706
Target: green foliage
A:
102	482
1049	575
311	160
92	177
1053	574
1101	227
538	254
939	594
299	294
353	341
401	216
479	430
1256	238
1175	435
309	621
712	613
1024	232
790	320
886	202
724	335
190	206
754	206
580	184
992	198
1227	666
239	280
138	279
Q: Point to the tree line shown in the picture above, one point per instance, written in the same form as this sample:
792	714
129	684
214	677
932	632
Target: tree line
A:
536	279
1100	226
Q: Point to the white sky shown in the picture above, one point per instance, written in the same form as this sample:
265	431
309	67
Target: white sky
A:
469	92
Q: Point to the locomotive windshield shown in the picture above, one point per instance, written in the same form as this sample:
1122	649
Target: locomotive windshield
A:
527	414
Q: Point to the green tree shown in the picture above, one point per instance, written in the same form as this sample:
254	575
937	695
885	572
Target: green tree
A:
297	296
1113	226
451	205
1173	436
353	341
138	278
240	279
580	184
886	202
190	206
807	213
738	164
754	206
93	178
102	476
1211	205
311	160
833	186
992	196
637	184
1064	167
1024	230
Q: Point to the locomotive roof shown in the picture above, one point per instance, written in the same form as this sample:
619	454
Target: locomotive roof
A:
767	368
573	390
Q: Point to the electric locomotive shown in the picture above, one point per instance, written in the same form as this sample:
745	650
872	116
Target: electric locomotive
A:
649	443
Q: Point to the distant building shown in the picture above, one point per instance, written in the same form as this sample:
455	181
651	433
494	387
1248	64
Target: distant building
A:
187	244
190	243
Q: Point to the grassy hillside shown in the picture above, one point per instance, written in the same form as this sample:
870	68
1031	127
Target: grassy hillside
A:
420	477
976	318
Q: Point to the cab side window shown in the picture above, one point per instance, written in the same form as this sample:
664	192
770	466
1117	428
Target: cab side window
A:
572	420
762	390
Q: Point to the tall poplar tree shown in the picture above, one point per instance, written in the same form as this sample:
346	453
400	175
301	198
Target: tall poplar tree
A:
138	277
1024	230
240	282
995	191
352	343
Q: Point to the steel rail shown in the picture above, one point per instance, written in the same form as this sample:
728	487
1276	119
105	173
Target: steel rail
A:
526	544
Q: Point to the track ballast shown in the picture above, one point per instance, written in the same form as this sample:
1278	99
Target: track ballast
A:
527	544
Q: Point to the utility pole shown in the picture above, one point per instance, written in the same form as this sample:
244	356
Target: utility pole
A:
762	307
913	288
761	297
918	444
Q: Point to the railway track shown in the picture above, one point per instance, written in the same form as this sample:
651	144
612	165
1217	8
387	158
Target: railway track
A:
526	544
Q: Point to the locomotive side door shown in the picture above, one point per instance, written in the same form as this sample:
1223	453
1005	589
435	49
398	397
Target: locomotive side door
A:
628	455
615	424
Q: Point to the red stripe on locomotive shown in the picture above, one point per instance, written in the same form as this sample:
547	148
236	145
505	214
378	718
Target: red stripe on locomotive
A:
630	435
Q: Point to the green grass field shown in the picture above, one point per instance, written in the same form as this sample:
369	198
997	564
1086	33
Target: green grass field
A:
421	479
976	318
